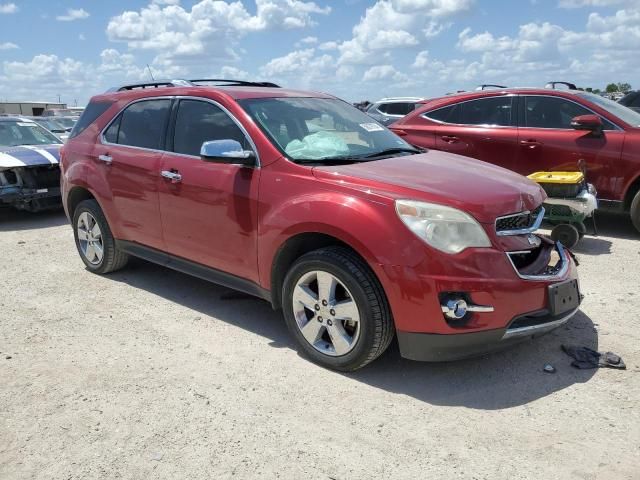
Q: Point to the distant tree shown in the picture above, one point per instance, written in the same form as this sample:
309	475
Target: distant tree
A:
624	87
597	91
612	88
589	89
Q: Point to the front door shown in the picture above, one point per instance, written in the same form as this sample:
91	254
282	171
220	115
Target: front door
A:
209	213
547	142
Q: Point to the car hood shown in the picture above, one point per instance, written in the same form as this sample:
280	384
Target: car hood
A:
479	188
29	155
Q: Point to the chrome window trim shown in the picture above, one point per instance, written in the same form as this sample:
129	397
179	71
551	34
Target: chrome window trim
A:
483	125
522	231
561	273
178	97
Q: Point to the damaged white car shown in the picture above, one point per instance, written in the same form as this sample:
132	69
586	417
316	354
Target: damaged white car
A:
29	165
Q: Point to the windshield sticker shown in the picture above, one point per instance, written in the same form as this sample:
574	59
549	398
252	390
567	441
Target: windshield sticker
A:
25	124
372	127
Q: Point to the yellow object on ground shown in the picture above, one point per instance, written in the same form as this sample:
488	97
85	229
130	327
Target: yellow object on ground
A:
557	177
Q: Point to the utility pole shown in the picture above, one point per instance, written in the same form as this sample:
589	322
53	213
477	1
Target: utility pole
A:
59	99
151	73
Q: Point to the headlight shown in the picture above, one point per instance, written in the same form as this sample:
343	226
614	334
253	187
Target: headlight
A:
447	229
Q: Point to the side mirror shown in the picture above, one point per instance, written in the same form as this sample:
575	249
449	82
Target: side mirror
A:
227	151
593	123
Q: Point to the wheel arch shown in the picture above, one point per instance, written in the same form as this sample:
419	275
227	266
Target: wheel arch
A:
293	248
76	195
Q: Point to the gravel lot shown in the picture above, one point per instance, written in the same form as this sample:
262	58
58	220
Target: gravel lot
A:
149	373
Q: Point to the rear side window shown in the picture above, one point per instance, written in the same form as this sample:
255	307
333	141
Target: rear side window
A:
89	115
141	125
487	111
198	122
450	114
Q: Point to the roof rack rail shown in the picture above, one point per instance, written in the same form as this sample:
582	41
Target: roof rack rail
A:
153	84
486	86
234	83
570	86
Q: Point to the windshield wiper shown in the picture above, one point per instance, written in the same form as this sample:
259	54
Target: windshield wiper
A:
393	151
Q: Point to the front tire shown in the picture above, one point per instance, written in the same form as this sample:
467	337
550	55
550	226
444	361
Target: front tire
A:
566	234
635	211
336	309
94	240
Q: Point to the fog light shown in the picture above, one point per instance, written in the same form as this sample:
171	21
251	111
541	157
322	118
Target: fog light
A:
455	309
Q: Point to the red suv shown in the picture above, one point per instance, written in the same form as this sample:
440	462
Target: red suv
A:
529	130
303	200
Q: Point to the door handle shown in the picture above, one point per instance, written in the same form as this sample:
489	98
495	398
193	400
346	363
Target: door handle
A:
106	159
175	177
449	138
530	143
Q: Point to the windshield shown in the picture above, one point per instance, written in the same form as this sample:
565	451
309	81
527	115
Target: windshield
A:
66	122
322	129
623	113
51	125
16	133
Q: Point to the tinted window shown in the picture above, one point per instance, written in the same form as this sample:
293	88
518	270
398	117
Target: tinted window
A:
450	114
398	108
111	135
143	124
631	100
89	115
551	112
198	122
487	111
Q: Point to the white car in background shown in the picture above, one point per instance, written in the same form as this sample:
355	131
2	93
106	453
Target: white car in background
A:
389	110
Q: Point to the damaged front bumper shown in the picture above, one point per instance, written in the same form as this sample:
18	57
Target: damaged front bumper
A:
31	188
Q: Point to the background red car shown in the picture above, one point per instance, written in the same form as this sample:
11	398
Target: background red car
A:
528	130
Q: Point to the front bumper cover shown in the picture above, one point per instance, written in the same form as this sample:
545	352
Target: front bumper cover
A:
430	347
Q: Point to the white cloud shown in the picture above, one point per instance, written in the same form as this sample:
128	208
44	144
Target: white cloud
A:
328	46
7	8
8	46
393	24
210	28
82	37
384	72
166	2
73	14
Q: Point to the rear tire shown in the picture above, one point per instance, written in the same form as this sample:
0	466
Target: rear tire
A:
635	211
566	234
94	240
358	330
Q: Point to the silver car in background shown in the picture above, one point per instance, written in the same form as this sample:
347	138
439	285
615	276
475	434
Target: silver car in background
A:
389	110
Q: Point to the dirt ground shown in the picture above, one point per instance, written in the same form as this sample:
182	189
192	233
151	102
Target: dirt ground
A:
149	373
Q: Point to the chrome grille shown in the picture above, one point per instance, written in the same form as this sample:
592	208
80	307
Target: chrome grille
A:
519	223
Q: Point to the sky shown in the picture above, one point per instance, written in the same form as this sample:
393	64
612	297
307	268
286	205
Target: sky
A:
354	49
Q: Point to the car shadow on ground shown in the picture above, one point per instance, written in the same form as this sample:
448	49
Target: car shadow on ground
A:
501	380
16	220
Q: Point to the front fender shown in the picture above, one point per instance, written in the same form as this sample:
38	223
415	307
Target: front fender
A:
368	225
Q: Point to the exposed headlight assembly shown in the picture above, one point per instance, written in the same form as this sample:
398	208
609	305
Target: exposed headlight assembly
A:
448	229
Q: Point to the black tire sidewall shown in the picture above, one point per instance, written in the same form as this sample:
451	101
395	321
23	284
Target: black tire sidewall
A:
566	230
92	207
365	341
635	211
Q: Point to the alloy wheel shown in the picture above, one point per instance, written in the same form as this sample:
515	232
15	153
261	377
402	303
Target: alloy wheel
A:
90	238
326	313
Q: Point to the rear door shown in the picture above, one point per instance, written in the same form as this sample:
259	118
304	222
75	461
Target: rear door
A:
209	215
129	158
548	142
483	128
